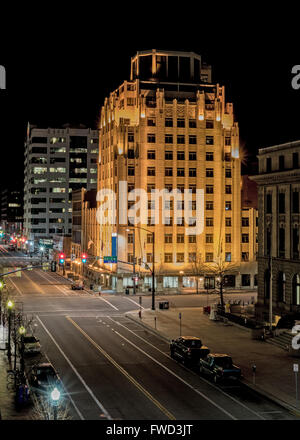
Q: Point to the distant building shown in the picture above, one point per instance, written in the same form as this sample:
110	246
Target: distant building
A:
12	210
278	230
85	230
57	161
249	193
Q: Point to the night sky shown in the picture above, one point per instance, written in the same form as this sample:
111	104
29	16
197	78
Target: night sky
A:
61	72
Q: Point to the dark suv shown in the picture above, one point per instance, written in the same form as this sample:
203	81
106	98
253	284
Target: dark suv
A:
219	367
188	349
44	378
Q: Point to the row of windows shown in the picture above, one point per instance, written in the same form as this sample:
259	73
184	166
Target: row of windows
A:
192	239
169	171
181	123
281	163
169	258
169	186
295	241
51	231
151	139
282	203
180	171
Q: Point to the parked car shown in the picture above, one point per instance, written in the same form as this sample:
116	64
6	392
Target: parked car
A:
188	349
77	286
44	378
31	345
219	367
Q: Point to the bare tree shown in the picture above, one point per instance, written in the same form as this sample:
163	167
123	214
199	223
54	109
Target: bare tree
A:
218	269
43	409
198	268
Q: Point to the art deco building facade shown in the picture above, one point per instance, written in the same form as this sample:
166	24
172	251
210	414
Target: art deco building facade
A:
57	161
169	127
279	229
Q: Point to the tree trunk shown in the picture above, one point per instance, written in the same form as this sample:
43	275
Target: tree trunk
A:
221	295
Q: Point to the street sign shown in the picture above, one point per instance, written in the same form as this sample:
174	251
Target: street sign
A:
110	260
46	243
296	368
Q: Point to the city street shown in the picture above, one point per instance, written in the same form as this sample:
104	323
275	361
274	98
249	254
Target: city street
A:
111	367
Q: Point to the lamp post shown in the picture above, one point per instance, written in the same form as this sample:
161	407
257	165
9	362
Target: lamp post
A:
133	246
1	287
55	396
9	306
22	332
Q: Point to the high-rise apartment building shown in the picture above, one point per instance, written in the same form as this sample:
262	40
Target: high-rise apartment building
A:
279	231
57	161
169	127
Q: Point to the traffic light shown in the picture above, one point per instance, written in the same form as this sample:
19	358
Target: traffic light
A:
53	266
61	258
83	258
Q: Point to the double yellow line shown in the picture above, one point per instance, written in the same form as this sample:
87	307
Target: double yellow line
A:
124	372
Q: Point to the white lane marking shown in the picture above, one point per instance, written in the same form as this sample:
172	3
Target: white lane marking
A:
177	377
114	307
137	304
68	394
40	290
105	412
16	287
204	380
42	275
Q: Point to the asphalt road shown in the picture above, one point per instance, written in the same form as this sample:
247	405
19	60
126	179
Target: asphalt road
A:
112	368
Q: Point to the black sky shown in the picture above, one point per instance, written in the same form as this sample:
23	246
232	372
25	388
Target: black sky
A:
59	69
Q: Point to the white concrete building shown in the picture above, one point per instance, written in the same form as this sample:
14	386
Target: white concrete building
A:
57	161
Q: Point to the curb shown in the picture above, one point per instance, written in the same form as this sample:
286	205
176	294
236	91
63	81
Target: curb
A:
147	327
245	383
271	397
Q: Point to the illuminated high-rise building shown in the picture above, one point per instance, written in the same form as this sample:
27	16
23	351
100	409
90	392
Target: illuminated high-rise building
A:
170	127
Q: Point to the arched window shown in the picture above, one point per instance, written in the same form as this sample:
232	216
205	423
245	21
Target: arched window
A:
267	283
296	289
281	286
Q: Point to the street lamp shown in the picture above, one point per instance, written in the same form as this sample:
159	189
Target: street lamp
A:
1	287
55	396
133	245
9	306
22	332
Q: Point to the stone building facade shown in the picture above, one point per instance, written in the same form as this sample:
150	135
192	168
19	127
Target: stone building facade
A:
278	230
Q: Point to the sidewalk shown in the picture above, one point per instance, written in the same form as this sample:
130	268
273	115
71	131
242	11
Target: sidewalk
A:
7	406
274	373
